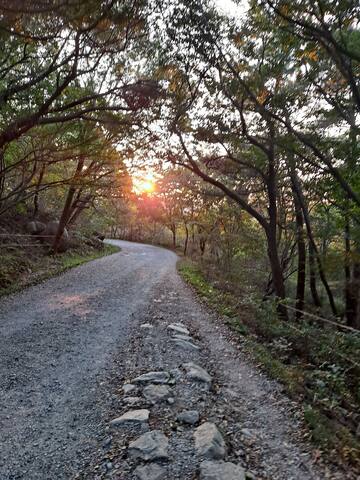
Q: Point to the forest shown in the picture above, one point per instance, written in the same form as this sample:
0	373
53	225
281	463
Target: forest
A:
228	131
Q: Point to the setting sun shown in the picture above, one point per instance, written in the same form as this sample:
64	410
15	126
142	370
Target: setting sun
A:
144	184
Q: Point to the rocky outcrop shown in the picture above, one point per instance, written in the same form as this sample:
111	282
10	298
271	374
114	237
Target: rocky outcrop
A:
150	472
150	446
156	393
221	471
153	377
197	373
209	442
132	417
188	416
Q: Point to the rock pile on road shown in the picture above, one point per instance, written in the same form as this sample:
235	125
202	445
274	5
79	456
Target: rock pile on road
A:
155	387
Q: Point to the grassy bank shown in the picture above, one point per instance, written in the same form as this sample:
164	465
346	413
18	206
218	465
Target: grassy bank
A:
20	268
314	363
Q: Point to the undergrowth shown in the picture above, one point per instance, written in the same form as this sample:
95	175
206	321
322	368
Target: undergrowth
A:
317	365
20	268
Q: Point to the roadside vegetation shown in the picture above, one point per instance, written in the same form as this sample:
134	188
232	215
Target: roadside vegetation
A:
316	365
21	267
247	119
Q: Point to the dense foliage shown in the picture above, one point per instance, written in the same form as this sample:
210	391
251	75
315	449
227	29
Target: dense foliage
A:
250	120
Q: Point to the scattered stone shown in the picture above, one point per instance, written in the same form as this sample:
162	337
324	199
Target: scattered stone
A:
176	373
185	344
171	401
132	400
221	471
189	416
150	472
156	393
132	416
146	325
250	476
128	387
247	433
195	372
178	328
153	377
209	442
150	446
107	442
178	336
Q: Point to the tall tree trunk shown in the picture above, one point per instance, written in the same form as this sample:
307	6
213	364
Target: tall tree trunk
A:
350	298
276	272
313	252
356	289
312	276
173	231
301	248
271	231
352	284
186	239
67	207
38	185
2	174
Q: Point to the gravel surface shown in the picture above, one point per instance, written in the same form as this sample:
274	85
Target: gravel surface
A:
69	344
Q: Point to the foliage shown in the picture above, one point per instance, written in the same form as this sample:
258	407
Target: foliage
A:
314	363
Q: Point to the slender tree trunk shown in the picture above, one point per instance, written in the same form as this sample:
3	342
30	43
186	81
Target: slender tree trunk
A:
2	174
38	185
67	207
301	248
314	254
173	231
271	231
356	290
312	276
350	300
186	239
276	272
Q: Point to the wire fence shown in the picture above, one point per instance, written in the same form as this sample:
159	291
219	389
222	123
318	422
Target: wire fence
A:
321	319
25	236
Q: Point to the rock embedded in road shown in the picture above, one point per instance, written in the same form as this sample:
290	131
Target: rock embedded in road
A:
150	446
133	401
153	377
209	442
132	417
188	416
195	372
175	327
210	470
128	387
146	326
179	336
156	393
185	344
150	472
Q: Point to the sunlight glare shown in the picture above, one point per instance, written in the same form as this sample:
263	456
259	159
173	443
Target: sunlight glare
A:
144	184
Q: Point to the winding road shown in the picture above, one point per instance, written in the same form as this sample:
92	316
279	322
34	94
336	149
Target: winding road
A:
68	344
57	339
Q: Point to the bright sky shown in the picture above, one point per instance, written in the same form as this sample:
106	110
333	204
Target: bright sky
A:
232	8
144	182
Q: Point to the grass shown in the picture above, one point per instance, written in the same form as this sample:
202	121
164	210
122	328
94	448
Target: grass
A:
20	268
317	366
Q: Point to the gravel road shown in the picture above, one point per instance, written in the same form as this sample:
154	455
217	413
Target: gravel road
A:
68	344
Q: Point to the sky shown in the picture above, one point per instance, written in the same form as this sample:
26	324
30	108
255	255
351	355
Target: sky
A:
232	8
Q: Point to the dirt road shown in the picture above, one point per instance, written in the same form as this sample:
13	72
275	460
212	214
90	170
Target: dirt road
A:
68	344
